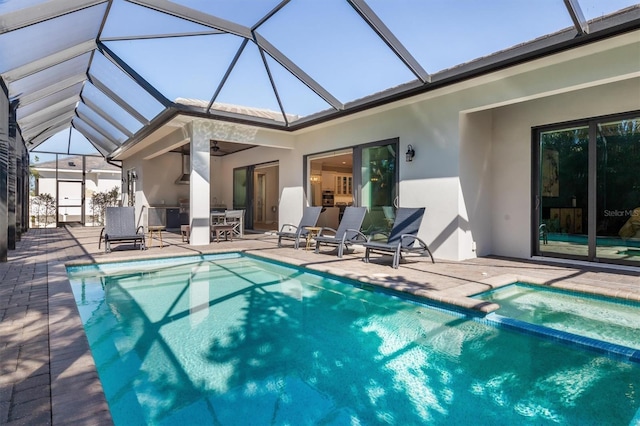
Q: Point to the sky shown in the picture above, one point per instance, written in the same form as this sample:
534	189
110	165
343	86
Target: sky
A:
325	38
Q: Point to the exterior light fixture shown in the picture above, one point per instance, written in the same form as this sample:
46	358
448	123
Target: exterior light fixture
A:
410	153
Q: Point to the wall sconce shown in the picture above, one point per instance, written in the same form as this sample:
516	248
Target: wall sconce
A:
410	153
133	175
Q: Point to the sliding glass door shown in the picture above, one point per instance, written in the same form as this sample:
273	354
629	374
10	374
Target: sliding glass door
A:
617	224
378	184
563	198
363	175
587	192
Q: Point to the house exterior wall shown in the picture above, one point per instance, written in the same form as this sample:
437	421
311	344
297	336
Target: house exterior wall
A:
511	153
472	169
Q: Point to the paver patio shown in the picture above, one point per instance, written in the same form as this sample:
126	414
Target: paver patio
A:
47	375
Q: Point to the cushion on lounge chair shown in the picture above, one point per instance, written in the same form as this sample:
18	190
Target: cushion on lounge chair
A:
402	238
292	232
348	231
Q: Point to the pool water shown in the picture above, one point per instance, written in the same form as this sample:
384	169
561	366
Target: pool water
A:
234	340
584	315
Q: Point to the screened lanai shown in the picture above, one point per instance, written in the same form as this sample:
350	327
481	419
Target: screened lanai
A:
94	77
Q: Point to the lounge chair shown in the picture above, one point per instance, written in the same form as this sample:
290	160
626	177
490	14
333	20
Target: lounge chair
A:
296	233
120	226
348	231
402	237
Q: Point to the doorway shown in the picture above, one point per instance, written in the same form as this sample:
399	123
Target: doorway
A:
331	185
378	183
587	191
363	175
256	191
70	202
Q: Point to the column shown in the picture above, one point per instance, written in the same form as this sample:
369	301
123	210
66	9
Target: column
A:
4	166
199	188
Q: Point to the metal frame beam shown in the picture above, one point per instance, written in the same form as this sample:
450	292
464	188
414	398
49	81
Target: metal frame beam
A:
95	108
290	66
575	11
117	99
230	68
85	129
131	73
27	124
389	38
44	136
57	121
54	88
273	87
160	36
49	61
214	22
195	16
21	18
96	127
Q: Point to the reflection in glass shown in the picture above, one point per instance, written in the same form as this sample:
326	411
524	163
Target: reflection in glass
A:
379	183
564	167
618	189
240	188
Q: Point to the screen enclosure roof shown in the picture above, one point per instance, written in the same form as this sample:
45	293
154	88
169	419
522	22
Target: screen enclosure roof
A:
91	76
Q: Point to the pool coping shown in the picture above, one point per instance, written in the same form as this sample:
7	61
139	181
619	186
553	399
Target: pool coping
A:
77	396
508	279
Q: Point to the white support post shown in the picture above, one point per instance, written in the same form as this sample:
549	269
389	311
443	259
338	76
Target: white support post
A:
199	189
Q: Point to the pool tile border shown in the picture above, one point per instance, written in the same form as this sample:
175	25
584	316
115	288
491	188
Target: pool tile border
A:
610	349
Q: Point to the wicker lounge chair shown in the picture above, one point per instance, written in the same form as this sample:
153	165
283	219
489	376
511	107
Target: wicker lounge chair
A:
348	231
296	233
402	237
120	226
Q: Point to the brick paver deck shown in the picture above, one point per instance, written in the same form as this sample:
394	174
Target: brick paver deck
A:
47	374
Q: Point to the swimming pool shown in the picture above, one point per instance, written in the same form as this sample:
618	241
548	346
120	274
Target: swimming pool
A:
591	316
237	340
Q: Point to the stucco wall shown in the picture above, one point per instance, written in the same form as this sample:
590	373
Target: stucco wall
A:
511	153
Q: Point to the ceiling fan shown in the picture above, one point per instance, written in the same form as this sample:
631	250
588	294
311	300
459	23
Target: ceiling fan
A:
216	149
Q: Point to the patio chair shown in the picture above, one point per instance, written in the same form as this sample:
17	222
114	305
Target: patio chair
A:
235	218
348	231
402	237
296	233
120	226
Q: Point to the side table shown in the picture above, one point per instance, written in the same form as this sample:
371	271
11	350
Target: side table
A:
312	231
157	231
